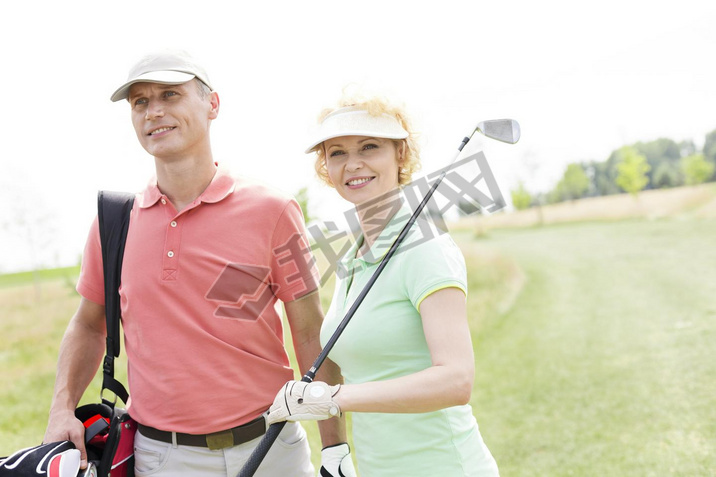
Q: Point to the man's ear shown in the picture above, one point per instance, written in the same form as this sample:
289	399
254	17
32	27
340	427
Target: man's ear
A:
214	101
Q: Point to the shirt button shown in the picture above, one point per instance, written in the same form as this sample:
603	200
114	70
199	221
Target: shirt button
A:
170	254
173	223
164	201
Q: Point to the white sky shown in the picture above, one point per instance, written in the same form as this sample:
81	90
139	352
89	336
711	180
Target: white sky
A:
582	79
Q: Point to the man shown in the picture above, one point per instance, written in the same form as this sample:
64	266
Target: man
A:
207	257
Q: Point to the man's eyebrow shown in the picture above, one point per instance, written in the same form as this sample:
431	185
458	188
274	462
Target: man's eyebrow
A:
170	86
162	87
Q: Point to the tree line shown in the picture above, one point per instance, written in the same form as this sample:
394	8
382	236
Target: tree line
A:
656	164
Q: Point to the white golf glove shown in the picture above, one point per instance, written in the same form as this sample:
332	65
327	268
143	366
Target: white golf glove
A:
301	401
336	461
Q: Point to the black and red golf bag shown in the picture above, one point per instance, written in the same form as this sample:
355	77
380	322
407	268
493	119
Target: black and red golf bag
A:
109	439
109	430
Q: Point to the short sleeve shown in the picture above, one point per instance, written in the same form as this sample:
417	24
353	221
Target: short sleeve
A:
432	266
293	268
91	281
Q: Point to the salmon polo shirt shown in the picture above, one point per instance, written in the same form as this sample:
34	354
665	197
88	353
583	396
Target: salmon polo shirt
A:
203	338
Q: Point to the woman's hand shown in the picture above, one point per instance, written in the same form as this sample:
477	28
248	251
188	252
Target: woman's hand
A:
301	401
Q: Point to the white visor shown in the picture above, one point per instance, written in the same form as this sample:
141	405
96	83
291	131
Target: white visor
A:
353	121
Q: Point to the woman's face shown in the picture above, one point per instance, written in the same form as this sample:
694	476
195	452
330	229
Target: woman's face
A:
361	167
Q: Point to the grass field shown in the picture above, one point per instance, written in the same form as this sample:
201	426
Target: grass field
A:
594	343
606	363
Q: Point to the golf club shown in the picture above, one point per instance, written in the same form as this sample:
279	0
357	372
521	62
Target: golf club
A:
504	130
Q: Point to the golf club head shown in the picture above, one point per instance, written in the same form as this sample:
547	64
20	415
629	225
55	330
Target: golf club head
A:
90	471
505	130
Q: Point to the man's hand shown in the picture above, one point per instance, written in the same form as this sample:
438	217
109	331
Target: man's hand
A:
300	401
336	461
64	426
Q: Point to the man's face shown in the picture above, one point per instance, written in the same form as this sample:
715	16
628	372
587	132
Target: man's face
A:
172	121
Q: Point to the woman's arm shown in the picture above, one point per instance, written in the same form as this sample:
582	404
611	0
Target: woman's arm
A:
448	382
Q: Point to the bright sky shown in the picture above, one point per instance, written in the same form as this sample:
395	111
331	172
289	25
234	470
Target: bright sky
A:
582	80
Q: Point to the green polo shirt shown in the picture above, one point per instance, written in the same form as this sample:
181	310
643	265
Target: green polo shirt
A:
385	340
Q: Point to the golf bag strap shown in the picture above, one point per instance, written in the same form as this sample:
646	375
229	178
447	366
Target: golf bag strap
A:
98	427
113	211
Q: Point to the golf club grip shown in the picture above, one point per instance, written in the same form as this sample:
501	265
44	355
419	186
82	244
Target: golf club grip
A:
257	456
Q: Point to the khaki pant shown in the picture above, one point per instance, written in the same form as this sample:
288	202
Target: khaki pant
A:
289	456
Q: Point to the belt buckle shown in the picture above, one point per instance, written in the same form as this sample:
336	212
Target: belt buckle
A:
220	440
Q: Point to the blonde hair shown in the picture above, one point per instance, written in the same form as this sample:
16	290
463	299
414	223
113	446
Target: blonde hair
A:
409	160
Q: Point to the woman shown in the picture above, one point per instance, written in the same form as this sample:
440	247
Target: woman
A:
406	355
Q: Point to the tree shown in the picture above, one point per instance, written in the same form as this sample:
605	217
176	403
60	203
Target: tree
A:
710	149
555	195
633	169
574	183
605	175
662	151
687	147
521	198
710	146
667	175
29	220
697	169
302	199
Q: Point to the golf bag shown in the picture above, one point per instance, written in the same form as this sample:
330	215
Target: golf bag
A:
109	431
109	439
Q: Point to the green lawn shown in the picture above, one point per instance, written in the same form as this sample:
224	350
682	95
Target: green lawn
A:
66	274
606	364
594	342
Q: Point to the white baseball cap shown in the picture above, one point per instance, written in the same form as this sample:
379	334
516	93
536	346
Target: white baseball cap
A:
169	67
353	121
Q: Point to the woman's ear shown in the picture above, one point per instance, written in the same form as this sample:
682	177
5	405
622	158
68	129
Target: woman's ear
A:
324	166
401	153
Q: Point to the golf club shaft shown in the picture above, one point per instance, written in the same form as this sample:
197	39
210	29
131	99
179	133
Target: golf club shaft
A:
257	456
311	374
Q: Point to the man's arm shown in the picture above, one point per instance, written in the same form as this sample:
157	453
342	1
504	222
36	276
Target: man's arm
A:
305	317
81	352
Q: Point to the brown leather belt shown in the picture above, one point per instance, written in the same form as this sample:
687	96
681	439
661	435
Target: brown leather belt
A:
215	441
